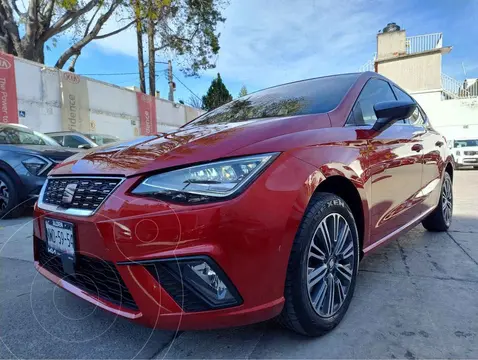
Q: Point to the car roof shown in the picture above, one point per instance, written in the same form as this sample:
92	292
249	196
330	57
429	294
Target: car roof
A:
97	134
15	125
64	133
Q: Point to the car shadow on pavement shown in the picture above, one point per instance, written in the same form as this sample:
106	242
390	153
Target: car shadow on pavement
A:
415	297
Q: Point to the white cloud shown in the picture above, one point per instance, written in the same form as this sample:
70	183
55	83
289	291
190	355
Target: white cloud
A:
267	42
275	41
123	43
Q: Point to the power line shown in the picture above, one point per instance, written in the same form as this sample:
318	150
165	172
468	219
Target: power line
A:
120	73
192	92
111	74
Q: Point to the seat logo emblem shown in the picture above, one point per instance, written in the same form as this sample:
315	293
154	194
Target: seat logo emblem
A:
68	193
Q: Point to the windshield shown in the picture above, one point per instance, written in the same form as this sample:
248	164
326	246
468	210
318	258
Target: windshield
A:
312	96
465	143
19	136
102	139
48	140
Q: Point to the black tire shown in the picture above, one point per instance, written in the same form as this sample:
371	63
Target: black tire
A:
8	198
438	220
299	314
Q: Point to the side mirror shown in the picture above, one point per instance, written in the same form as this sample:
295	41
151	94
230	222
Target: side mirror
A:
84	146
389	112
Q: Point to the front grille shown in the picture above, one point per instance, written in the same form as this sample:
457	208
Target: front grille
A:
88	195
93	275
471	152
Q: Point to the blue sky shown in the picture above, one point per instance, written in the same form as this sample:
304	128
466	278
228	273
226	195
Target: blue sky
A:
268	42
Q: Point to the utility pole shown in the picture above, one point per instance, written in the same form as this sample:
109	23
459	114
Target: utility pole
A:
170	81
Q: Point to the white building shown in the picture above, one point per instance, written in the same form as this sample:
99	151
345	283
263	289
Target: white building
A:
415	63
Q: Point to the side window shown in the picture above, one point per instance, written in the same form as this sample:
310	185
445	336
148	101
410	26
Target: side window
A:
417	118
58	139
402	95
73	141
375	91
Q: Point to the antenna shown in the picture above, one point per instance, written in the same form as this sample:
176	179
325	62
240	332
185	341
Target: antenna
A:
464	69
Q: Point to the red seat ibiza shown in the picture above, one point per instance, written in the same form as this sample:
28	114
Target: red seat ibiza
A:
261	208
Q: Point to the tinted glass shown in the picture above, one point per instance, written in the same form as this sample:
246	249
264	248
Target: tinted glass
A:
47	139
465	143
375	91
59	139
102	139
402	95
19	136
416	118
73	141
299	98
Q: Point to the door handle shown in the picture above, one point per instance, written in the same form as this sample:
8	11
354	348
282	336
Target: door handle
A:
439	143
417	147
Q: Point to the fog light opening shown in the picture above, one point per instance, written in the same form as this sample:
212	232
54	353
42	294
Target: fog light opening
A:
201	276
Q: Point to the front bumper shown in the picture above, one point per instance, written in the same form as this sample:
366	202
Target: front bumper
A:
249	238
465	160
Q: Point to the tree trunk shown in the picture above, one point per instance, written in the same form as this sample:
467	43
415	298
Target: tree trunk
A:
151	60
139	41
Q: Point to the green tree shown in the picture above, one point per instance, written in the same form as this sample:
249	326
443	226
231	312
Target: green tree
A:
183	29
243	91
216	95
24	31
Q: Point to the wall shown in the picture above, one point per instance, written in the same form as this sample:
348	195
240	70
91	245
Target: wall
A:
391	44
457	118
113	109
414	72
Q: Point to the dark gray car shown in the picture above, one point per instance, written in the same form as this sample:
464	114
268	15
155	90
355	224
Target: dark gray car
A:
26	157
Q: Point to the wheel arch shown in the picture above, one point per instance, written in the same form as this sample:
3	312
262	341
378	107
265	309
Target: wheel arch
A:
449	169
345	189
342	181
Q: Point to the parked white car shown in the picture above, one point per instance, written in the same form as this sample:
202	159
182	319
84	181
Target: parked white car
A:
464	152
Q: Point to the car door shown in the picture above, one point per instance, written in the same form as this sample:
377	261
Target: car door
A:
394	163
434	149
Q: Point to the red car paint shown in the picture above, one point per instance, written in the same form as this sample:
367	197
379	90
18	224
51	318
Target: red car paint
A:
250	236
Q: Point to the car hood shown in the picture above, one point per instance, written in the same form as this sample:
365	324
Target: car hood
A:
56	153
188	145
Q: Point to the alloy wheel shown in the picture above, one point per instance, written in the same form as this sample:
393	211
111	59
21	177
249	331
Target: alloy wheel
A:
4	195
447	201
330	265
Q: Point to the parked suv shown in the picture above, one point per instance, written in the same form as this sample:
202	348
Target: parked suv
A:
260	208
82	141
26	156
465	152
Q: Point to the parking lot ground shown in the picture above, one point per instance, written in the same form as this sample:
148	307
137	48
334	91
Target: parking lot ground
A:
415	298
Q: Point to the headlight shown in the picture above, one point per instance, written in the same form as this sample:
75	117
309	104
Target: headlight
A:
208	182
35	165
458	153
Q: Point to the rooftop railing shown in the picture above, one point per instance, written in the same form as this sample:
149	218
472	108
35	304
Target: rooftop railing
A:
421	43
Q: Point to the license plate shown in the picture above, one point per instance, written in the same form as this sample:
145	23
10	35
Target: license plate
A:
60	238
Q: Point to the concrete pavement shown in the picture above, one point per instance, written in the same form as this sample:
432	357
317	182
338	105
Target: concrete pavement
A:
415	298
